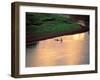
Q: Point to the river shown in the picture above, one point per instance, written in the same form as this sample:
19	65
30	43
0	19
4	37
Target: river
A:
63	50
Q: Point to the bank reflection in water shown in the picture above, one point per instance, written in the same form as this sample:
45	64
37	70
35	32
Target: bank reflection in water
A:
63	50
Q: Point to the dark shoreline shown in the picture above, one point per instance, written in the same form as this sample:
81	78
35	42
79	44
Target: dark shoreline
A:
30	40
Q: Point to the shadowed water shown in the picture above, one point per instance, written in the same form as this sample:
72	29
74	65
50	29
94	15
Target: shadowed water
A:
63	50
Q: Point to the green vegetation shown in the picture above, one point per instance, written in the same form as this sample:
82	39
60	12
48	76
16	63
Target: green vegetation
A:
39	24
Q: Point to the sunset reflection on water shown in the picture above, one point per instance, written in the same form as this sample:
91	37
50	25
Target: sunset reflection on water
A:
63	50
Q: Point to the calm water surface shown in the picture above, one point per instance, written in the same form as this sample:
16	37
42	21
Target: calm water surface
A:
63	50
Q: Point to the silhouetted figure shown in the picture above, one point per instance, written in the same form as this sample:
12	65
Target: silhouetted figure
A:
61	40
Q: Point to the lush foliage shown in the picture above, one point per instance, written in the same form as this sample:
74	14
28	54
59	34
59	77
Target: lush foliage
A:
42	23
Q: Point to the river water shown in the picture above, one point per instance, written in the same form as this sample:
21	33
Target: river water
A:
63	50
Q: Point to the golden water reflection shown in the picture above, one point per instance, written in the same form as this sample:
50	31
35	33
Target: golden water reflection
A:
63	50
